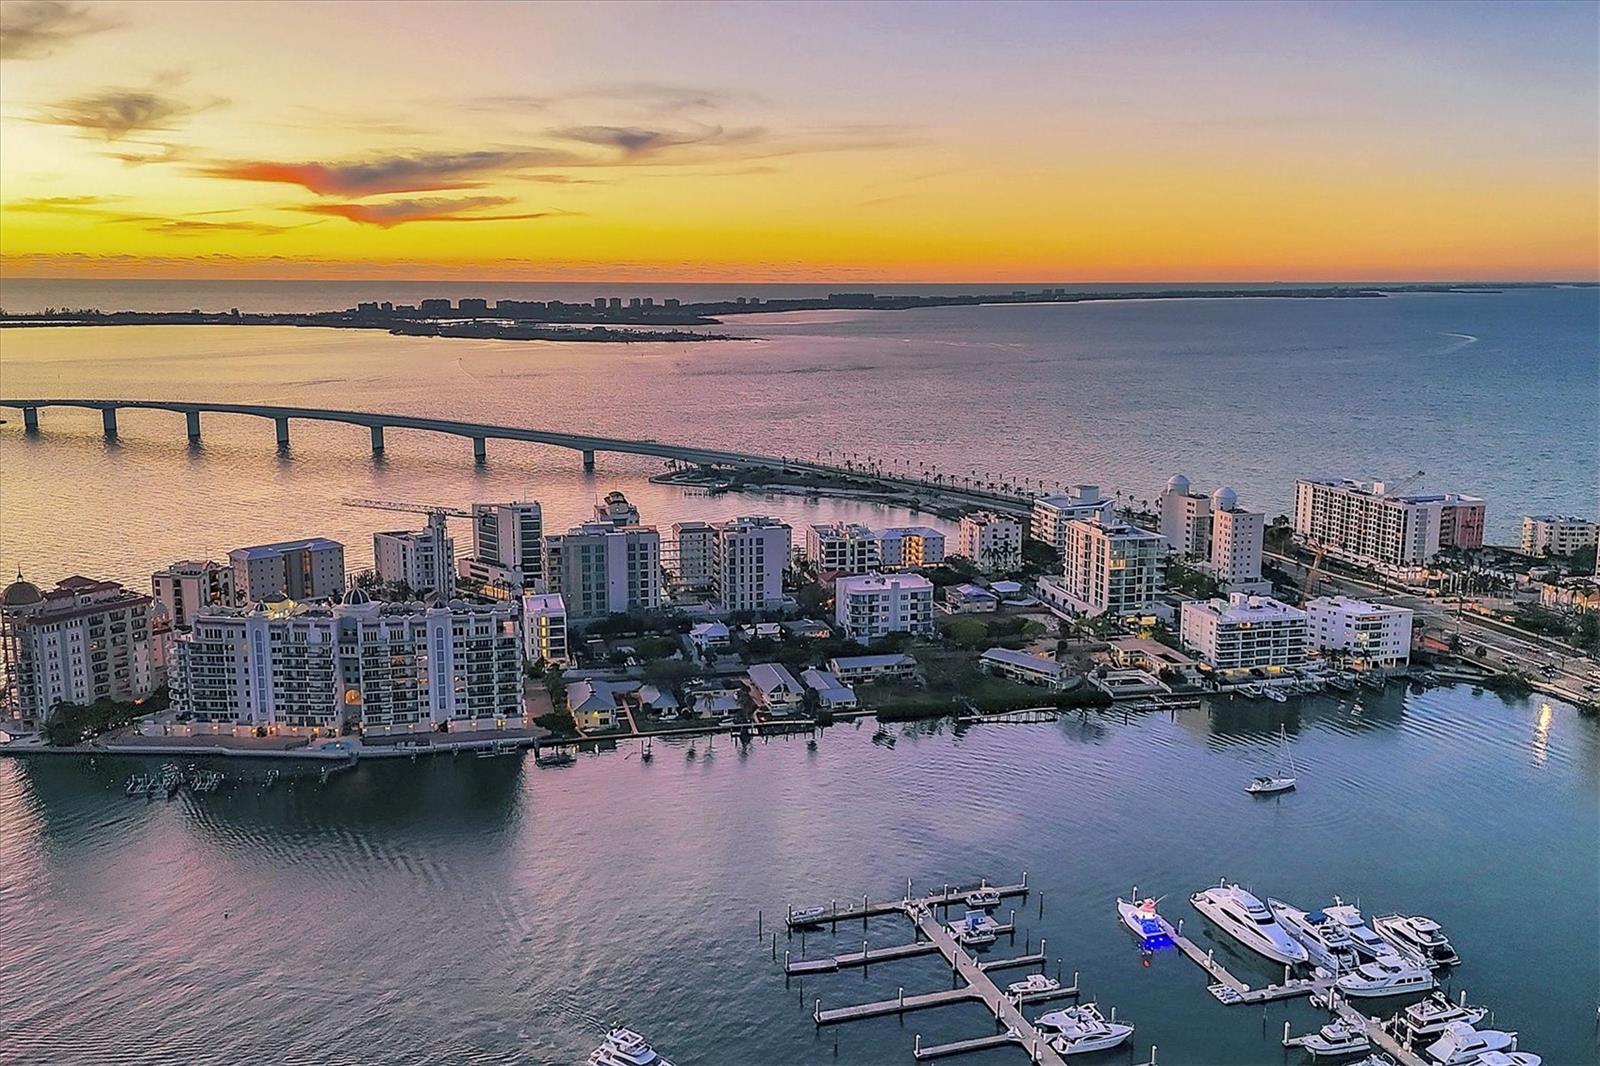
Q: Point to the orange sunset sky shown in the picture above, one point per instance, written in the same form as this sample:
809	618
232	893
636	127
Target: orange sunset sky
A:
697	141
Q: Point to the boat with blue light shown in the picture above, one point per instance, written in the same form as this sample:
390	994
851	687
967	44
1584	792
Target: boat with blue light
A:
1143	921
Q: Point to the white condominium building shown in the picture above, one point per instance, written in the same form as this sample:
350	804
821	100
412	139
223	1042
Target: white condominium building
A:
422	561
1557	534
1110	568
1365	524
748	561
1244	633
81	641
185	587
992	541
869	606
695	542
600	569
615	510
310	569
843	548
1052	513
1369	636
1186	519
910	546
507	546
381	667
544	628
1236	538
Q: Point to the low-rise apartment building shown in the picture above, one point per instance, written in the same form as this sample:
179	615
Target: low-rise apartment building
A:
1242	633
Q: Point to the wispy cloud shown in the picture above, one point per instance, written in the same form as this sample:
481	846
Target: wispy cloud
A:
62	205
104	210
112	114
426	209
649	97
420	172
35	29
635	142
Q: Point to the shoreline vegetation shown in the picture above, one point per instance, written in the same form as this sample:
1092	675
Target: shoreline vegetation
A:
556	320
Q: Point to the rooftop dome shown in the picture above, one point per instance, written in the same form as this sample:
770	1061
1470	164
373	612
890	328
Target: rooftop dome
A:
1224	499
20	593
355	596
1178	483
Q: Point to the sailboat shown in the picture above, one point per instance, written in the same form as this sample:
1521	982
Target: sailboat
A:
1269	786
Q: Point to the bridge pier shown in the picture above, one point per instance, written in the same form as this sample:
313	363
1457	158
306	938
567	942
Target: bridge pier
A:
283	432
588	458
193	419
108	419
30	419
480	450
377	440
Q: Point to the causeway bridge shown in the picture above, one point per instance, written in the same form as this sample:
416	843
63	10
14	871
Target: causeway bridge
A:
1006	498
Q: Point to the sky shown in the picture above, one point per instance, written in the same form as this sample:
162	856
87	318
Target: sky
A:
800	142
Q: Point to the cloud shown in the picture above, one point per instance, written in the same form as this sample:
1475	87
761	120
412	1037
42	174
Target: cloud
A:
115	113
62	205
638	141
194	227
426	209
35	29
651	97
159	152
103	209
420	172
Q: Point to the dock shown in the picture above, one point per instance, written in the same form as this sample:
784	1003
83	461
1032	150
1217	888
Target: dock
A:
948	896
1230	989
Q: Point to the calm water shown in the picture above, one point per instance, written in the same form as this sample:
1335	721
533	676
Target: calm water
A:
490	911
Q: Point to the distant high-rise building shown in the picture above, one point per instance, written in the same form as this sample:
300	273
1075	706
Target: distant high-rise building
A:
544	628
473	307
1552	534
1186	519
749	557
695	543
600	569
992	541
1052	513
910	546
1236	540
1110	568
423	561
1364	523
507	546
870	606
185	587
843	548
311	569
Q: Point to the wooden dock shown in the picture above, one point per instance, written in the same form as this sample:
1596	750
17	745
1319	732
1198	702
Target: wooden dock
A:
1230	989
947	896
856	959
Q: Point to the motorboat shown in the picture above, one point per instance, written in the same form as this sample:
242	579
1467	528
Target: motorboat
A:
1275	694
1143	921
975	929
1285	779
1081	1029
1392	975
1036	984
1368	944
1326	939
808	916
1252	691
1244	916
984	898
1426	1021
1462	1045
1417	934
1338	1037
1342	682
1507	1058
624	1047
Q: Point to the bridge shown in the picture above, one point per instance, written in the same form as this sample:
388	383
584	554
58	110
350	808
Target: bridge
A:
1007	498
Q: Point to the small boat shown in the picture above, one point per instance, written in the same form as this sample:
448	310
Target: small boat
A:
624	1047
975	929
1285	780
1338	1037
983	898
1035	984
1376	682
1427	1020
1374	1059
1247	919
1081	1029
1254	692
1143	921
1326	939
1388	976
1417	934
1342	682
1275	694
1462	1045
559	757
808	916
1368	945
1507	1058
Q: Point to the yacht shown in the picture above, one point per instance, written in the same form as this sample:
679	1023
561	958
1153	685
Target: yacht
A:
1082	1029
1391	975
1036	984
1425	1022
1248	920
975	929
808	916
1462	1045
1326	939
1338	1037
1368	945
1507	1058
624	1047
984	898
1143	921
1285	779
1417	934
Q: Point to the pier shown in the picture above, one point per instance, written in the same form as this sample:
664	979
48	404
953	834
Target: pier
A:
1230	989
948	896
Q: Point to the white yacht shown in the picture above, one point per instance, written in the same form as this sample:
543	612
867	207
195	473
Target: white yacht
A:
1368	944
1238	912
983	898
808	916
975	929
1082	1029
1035	984
1338	1037
1425	1021
1418	934
1143	921
1326	939
1462	1045
1507	1058
624	1047
1391	975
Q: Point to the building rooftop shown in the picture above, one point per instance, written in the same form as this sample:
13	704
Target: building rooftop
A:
881	582
1239	607
1020	658
260	551
774	677
870	662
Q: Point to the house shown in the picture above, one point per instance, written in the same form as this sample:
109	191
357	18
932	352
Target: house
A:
1009	591
1122	683
722	704
1020	666
655	700
592	704
808	629
852	669
832	694
970	599
1151	656
774	689
709	636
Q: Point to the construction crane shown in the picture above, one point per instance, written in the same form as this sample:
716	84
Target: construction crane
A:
1308	587
1395	488
408	508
